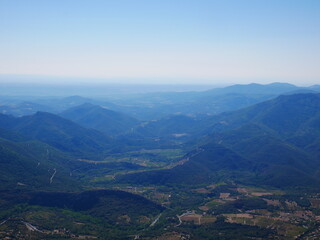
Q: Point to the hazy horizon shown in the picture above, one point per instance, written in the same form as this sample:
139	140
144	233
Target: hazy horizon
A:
13	79
164	42
108	89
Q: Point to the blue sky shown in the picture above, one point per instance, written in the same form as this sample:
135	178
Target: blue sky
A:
149	41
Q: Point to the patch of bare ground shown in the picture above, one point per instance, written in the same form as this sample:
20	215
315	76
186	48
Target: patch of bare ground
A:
315	202
144	219
207	219
271	202
230	217
204	208
78	223
224	195
281	224
212	186
195	218
215	202
201	190
172	236
256	192
161	196
198	219
260	194
85	237
260	212
125	219
291	205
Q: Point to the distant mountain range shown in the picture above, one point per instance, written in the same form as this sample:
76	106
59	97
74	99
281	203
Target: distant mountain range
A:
24	108
215	101
273	143
254	88
94	170
154	106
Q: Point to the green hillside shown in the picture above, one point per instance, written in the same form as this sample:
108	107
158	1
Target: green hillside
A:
99	118
58	132
33	165
253	145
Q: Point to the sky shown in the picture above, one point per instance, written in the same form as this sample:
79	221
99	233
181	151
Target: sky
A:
160	41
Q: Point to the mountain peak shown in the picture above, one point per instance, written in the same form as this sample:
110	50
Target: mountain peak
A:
255	88
100	118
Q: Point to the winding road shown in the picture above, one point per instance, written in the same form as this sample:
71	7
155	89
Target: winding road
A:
51	179
184	214
156	220
3	222
31	227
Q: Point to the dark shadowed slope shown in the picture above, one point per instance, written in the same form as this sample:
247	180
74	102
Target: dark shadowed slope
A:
276	162
99	118
102	203
284	115
32	165
58	132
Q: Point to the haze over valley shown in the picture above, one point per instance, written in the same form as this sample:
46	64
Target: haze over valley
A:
231	158
160	120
